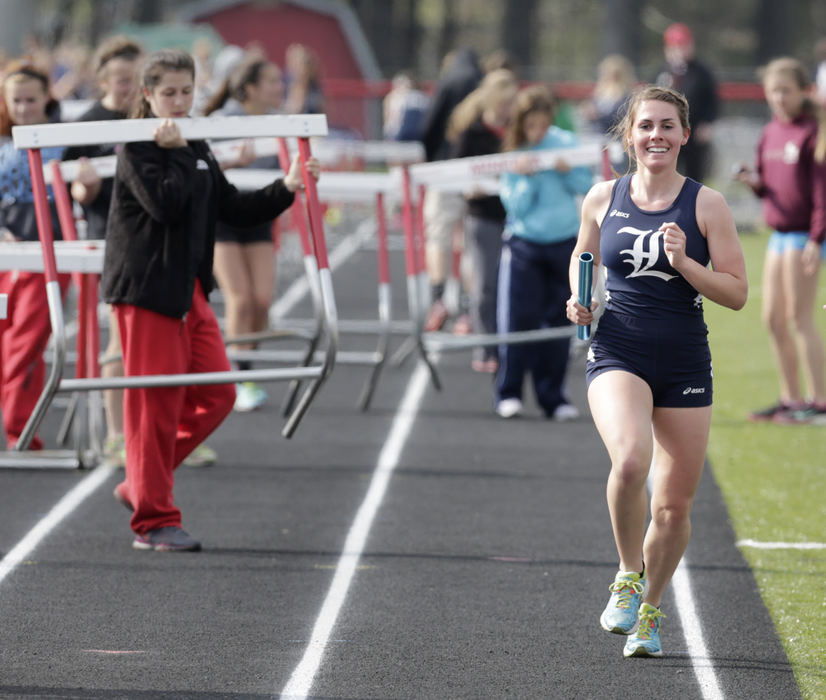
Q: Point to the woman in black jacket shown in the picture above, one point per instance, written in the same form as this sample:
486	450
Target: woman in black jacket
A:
168	195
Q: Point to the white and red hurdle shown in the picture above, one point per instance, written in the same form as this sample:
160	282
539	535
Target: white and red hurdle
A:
86	258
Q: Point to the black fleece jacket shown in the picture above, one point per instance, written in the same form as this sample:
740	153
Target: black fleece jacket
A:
161	228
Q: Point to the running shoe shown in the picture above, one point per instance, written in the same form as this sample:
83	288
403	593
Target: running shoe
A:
167	539
114	451
646	640
620	615
249	397
509	408
771	412
201	456
810	414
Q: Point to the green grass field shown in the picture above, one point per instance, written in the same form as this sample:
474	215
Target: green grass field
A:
773	477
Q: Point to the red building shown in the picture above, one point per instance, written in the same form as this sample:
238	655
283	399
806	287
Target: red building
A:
328	27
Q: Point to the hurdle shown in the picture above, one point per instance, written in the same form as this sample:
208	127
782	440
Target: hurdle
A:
463	175
35	137
371	188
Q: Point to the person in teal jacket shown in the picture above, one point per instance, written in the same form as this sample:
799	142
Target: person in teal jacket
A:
540	233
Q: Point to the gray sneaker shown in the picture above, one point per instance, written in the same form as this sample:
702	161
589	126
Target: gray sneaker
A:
167	539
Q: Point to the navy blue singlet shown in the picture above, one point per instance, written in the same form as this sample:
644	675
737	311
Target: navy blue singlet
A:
653	323
640	281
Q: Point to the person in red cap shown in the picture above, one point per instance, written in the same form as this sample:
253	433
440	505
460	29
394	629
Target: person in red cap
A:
684	73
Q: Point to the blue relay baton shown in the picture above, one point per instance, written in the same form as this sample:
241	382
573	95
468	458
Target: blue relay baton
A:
586	274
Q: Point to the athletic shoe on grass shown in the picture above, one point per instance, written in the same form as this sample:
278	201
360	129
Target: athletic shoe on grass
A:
646	640
771	412
812	413
167	539
620	615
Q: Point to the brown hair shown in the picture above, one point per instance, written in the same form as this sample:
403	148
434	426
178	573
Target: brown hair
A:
18	71
647	93
235	86
793	69
115	47
494	86
156	65
536	98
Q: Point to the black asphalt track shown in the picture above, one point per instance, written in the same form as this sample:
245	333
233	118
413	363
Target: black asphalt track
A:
484	573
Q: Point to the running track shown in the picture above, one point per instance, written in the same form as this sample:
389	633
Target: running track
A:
425	549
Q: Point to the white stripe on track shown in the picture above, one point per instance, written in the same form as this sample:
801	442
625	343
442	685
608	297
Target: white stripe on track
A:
74	498
692	629
693	632
781	545
62	509
302	678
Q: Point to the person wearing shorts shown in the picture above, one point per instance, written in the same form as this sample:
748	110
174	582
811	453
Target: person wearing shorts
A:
649	368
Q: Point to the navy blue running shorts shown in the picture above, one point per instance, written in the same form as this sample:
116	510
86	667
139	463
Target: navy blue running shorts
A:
672	356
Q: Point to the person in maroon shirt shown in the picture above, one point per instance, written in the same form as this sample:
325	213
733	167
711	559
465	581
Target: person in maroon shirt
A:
790	179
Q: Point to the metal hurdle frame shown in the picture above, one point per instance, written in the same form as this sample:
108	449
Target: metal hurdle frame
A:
463	175
350	187
35	137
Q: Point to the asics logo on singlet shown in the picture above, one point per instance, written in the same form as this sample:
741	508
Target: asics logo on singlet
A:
645	253
617	212
694	390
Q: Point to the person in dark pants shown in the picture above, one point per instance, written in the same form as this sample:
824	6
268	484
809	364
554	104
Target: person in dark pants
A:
542	223
685	74
168	196
476	128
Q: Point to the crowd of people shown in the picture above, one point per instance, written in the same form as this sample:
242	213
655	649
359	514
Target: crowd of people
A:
666	240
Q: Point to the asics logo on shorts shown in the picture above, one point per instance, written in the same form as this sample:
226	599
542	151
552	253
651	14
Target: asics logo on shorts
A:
694	390
644	254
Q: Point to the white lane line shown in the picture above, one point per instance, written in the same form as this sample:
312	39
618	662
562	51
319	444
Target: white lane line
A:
692	629
302	678
73	499
781	545
693	632
62	509
342	252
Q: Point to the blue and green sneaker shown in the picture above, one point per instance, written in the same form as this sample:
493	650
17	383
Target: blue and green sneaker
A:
646	640
620	615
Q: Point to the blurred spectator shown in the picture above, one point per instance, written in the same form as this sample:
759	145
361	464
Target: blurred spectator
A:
25	100
404	108
500	58
244	263
226	61
615	80
604	110
820	71
543	221
116	64
477	128
443	212
684	73
72	77
303	74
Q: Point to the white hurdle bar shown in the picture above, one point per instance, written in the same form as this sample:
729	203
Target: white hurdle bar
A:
302	127
466	175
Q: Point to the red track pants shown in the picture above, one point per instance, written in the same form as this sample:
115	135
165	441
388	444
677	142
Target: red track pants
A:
163	425
23	338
